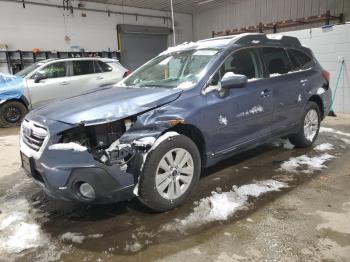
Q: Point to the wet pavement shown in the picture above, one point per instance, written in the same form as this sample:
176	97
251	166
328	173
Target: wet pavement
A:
267	228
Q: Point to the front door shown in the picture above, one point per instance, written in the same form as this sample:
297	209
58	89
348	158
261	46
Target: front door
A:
239	116
55	85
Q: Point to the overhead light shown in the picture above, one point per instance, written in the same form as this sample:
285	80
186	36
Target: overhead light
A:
205	2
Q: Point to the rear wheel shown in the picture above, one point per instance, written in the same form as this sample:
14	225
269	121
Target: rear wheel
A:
170	174
12	113
309	127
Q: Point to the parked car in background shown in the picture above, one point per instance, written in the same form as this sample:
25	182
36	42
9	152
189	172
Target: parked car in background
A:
196	104
50	79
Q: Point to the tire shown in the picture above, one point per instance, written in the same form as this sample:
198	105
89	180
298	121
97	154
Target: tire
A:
12	113
177	185
309	126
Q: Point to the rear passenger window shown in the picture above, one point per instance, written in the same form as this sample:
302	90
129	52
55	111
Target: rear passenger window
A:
83	67
300	60
276	60
102	67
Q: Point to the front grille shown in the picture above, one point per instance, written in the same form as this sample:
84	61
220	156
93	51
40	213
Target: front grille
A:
33	135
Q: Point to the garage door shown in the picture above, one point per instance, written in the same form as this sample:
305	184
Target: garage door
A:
138	44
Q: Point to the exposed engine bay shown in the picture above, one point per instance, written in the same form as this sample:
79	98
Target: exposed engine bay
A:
102	141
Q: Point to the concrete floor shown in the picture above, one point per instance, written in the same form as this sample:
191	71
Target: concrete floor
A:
308	221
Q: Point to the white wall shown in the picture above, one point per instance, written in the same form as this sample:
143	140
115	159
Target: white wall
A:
328	46
46	27
245	13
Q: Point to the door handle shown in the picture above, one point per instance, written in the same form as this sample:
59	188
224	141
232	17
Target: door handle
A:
64	83
265	93
99	78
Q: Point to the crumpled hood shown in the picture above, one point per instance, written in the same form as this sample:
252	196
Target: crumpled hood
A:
107	104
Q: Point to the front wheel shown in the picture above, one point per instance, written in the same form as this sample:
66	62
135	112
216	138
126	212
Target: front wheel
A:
309	127
170	173
12	113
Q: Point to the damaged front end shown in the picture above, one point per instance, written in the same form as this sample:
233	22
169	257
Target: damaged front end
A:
116	142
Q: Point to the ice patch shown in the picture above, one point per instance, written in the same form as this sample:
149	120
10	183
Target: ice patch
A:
18	229
211	88
223	120
345	140
311	163
254	110
186	85
324	147
320	91
68	146
133	247
285	143
275	74
78	237
300	98
331	130
221	206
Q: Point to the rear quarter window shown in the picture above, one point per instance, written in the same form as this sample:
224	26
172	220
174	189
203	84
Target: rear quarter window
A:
300	60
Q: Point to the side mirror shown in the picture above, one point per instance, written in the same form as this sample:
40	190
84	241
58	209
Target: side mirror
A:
231	80
38	77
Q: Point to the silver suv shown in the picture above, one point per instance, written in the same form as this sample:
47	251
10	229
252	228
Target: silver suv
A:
50	79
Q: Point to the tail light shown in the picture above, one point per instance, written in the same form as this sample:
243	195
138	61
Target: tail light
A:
326	75
127	73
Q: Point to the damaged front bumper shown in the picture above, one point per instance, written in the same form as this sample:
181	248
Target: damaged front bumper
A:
62	179
62	172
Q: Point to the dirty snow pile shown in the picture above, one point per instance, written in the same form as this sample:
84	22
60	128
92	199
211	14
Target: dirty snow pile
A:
312	164
324	147
68	146
221	206
285	143
18	230
78	237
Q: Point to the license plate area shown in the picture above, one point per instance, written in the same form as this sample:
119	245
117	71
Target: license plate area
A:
26	163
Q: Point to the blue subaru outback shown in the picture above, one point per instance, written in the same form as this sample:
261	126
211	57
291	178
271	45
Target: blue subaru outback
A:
193	105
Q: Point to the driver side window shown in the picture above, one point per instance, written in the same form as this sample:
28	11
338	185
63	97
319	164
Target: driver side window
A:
244	62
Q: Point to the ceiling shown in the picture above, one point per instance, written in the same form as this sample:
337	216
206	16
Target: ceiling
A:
181	6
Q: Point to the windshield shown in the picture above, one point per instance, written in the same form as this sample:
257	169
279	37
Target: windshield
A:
183	70
28	69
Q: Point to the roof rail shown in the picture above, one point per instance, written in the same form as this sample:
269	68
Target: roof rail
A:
267	39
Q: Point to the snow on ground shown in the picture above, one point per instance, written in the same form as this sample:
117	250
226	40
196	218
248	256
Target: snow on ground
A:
334	131
133	247
78	237
18	229
68	146
285	143
221	206
295	164
345	140
324	147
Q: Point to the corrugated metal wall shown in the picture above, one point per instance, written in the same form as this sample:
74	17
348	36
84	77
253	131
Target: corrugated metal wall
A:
243	13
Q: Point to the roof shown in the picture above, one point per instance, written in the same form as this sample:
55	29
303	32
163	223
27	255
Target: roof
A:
242	39
79	58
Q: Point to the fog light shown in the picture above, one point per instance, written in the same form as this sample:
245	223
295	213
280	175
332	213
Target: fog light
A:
87	191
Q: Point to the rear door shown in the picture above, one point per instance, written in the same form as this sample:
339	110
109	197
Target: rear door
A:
84	76
286	86
243	115
55	85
